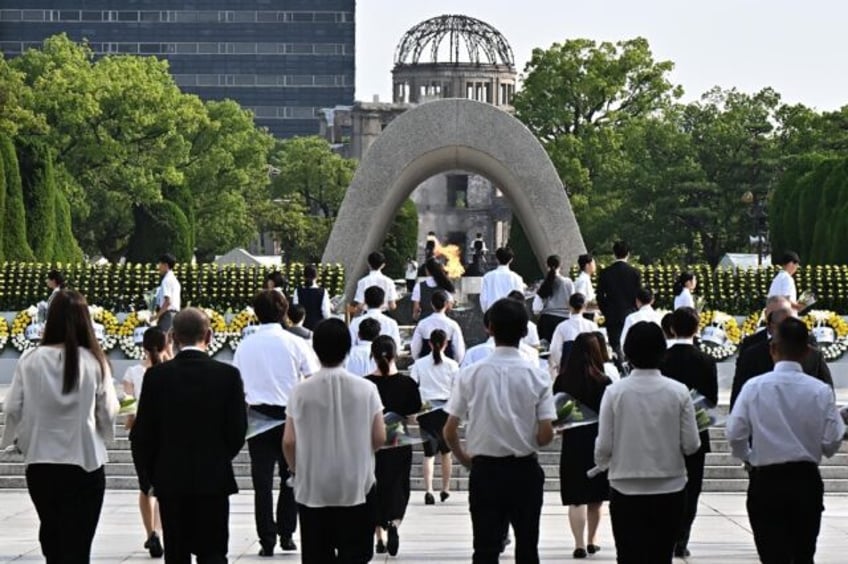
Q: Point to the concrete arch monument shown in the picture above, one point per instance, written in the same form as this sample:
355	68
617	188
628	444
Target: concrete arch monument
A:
452	134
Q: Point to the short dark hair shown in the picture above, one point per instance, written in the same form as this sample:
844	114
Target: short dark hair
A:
584	260
504	255
56	277
296	313
517	295
270	306
666	324
331	341
369	329
277	278
645	296
645	345
374	296
310	273
508	321
620	249
439	300
790	256
191	326
376	260
577	301
168	259
792	338
685	322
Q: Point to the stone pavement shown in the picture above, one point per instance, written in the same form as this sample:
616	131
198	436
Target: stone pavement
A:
433	534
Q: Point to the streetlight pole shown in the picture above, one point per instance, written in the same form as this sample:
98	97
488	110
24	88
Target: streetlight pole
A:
757	211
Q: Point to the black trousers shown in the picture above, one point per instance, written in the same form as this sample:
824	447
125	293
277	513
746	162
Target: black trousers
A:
503	492
166	321
547	326
645	527
338	534
694	484
195	524
614	329
785	503
68	501
266	453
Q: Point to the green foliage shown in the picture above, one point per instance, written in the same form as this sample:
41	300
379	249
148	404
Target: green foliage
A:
402	240
525	262
39	190
66	250
15	243
159	228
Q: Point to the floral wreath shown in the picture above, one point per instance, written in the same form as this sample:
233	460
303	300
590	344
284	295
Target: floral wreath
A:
110	326
100	315
219	331
4	333
720	335
19	326
754	323
238	324
831	330
142	318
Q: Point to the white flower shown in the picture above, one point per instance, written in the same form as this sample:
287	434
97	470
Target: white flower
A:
32	311
144	316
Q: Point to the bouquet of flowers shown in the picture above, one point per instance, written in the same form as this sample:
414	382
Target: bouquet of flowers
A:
570	413
706	414
129	406
397	435
808	300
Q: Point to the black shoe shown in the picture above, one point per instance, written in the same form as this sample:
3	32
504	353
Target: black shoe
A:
444	496
381	548
266	552
154	546
287	544
429	499
579	553
592	548
393	542
680	551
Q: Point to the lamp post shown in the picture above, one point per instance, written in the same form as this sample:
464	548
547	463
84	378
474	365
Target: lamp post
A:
757	212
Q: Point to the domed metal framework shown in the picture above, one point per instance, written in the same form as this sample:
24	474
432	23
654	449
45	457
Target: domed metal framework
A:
482	43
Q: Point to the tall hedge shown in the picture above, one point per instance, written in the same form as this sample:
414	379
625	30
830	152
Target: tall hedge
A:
182	196
525	262
39	189
15	245
159	228
402	240
66	249
2	207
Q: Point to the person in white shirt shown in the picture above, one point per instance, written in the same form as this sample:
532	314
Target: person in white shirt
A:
481	352
60	412
645	312
781	425
56	283
568	330
501	281
583	282
168	295
377	261
157	350
551	300
359	360
646	427
411	273
334	479
509	409
272	361
783	284
683	288
420	345
434	374
374	296
532	337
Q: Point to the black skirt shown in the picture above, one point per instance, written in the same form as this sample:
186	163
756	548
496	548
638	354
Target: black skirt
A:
393	468
547	326
577	458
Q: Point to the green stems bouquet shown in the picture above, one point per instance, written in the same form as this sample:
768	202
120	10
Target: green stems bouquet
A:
706	413
570	413
397	434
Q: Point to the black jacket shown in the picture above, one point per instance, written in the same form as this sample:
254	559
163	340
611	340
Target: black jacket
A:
698	371
190	425
618	285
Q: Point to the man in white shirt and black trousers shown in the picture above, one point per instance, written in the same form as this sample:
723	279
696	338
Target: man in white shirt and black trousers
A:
501	281
271	362
781	425
510	410
168	295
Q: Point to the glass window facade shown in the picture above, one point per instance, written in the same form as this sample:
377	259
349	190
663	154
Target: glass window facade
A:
283	59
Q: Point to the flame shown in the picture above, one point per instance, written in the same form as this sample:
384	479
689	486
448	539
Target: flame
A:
453	255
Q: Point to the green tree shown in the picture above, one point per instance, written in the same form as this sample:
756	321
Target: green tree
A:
15	245
401	240
39	189
66	250
16	114
159	228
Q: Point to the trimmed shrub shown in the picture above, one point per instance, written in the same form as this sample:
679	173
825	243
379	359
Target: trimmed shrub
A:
15	245
159	228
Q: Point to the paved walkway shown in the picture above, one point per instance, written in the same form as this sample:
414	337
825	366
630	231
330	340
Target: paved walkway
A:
440	534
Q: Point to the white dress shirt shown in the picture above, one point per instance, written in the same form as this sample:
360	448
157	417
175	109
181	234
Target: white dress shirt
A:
567	331
135	376
271	361
333	414
784	416
583	285
55	428
416	292
359	361
503	398
376	278
388	326
497	284
326	309
645	313
438	320
169	288
783	285
434	380
684	299
532	337
481	352
411	270
646	426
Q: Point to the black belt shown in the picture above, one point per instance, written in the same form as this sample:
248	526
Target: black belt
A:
509	459
272	411
797	467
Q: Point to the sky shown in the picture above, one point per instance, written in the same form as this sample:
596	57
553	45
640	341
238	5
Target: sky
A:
799	48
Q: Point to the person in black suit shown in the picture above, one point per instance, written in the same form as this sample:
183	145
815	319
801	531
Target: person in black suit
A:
190	464
686	363
617	287
757	358
773	303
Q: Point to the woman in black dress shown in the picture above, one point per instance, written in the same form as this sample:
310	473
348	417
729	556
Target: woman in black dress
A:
583	378
422	295
399	394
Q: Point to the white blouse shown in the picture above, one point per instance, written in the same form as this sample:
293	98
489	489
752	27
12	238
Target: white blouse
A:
55	428
684	299
434	380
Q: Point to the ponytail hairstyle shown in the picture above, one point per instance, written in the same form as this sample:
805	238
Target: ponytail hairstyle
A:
438	338
546	290
435	269
384	351
682	280
154	344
